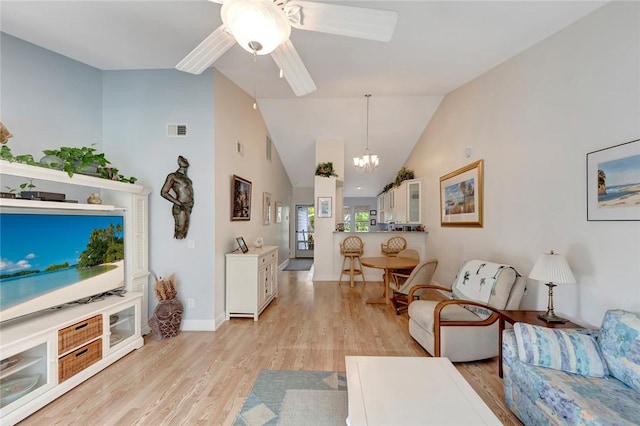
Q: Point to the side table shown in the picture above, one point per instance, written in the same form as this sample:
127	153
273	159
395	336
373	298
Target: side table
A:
528	317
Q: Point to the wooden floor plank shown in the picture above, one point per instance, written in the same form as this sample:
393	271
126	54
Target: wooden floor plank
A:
203	378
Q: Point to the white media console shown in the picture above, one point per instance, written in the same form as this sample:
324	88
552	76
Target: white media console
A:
47	354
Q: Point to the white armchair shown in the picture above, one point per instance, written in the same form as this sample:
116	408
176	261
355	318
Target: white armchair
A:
465	327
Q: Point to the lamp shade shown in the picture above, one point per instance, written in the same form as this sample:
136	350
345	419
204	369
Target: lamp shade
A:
259	26
553	268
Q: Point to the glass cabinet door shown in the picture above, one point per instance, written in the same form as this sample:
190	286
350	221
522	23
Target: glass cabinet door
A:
122	325
413	211
22	375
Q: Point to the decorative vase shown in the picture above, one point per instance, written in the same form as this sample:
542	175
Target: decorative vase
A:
167	318
94	198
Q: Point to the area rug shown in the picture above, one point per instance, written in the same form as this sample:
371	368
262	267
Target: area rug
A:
299	265
296	398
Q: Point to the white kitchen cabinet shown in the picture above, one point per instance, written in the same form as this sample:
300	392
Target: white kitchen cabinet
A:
251	281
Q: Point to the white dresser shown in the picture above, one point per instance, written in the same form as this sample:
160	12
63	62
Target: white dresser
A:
252	281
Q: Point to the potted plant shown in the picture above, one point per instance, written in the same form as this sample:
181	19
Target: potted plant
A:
404	174
326	169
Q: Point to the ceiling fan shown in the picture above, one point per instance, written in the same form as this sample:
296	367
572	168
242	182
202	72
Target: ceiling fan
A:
263	26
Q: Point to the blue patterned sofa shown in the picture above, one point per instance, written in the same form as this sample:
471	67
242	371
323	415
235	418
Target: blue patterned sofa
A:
574	377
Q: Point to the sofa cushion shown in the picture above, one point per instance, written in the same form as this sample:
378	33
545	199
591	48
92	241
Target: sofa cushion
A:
620	344
421	311
564	350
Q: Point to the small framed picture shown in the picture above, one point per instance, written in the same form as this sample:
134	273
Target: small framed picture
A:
242	245
278	212
324	207
373	212
240	199
373	222
266	208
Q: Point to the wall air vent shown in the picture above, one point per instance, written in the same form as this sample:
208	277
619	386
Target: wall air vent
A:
176	130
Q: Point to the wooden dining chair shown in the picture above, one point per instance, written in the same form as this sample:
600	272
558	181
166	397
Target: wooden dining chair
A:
393	246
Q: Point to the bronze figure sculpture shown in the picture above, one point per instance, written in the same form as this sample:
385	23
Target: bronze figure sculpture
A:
178	189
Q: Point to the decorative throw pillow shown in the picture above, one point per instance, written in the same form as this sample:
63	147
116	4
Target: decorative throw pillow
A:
565	350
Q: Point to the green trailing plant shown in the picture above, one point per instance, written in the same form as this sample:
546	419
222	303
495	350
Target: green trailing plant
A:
325	169
71	160
387	188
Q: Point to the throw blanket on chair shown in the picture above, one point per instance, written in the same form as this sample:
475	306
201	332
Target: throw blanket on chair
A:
476	280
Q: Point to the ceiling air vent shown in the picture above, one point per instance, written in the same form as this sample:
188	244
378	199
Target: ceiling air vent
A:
177	130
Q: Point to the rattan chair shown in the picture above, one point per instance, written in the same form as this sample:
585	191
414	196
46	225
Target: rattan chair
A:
393	246
351	248
402	282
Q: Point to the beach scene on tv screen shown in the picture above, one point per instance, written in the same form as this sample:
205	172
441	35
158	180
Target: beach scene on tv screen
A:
41	254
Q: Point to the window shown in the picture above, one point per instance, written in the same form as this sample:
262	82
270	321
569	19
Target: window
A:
362	218
347	218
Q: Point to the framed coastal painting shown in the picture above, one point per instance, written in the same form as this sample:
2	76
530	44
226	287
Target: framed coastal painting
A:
461	196
240	199
613	182
266	208
324	207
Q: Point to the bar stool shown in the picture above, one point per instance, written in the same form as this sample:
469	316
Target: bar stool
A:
393	246
352	248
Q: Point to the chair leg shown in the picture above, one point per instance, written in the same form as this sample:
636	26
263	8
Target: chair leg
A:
361	269
351	281
342	272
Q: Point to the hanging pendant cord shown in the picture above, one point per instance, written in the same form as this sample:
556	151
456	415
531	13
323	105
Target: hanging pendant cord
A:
367	96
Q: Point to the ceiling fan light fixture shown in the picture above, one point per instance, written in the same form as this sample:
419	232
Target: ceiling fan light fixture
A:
368	162
259	26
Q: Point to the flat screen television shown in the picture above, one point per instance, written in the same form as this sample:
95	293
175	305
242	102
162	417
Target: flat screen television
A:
51	259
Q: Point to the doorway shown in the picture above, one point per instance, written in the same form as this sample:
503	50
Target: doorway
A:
305	219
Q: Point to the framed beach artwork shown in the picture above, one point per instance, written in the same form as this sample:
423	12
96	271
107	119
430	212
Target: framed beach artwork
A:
461	196
240	199
613	182
324	207
266	208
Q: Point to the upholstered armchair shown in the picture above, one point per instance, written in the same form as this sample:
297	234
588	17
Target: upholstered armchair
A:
403	281
464	327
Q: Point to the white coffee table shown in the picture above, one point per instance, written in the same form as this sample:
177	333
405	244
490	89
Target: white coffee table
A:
411	391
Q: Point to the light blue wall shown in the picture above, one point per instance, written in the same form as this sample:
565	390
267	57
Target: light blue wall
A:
47	100
137	107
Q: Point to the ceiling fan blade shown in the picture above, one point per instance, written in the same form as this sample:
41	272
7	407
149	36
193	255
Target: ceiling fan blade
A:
207	52
287	58
371	24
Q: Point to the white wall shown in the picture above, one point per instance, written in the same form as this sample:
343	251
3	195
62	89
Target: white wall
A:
533	119
236	121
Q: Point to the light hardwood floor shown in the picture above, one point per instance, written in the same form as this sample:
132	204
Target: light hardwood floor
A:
203	378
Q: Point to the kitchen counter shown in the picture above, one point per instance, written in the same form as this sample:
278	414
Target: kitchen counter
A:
372	241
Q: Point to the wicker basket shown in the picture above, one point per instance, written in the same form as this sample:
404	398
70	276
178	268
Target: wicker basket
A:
79	333
79	359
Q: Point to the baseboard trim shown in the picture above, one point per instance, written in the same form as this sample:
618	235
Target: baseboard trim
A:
198	325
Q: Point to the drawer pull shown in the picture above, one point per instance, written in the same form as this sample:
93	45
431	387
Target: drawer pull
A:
82	326
82	352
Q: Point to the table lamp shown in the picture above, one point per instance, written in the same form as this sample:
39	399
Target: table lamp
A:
553	269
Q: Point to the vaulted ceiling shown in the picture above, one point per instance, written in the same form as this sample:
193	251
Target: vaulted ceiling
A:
437	46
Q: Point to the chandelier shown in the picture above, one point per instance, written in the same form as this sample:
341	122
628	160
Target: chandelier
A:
368	162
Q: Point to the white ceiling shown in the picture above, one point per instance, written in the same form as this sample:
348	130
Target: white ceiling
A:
437	47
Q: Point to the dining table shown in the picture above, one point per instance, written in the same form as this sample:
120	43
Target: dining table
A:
388	264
